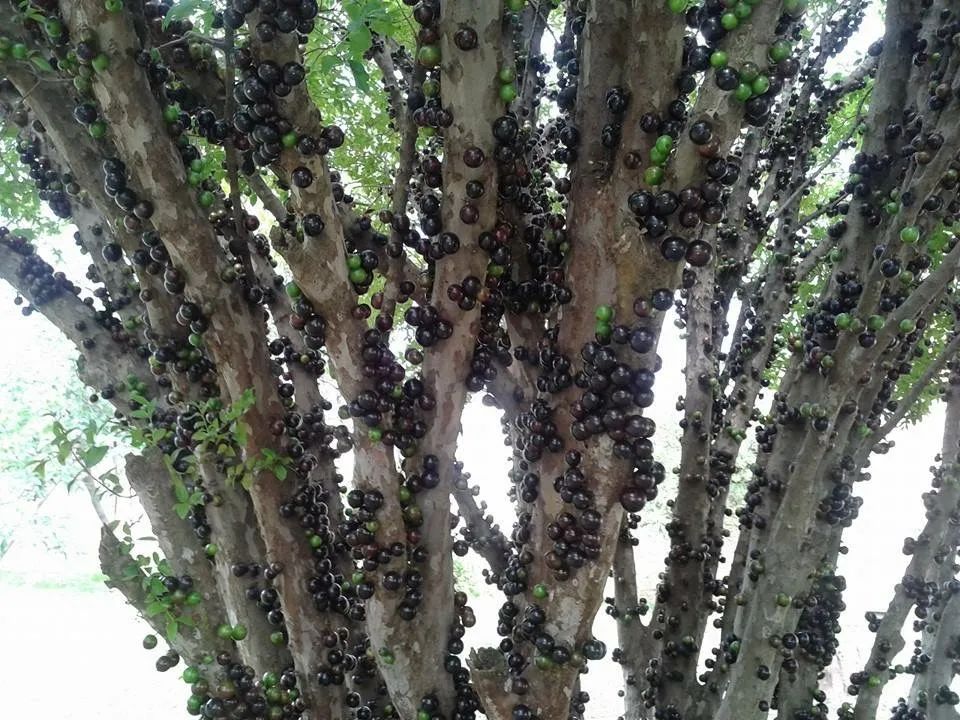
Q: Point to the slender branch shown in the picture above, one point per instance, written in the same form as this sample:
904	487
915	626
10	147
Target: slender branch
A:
816	173
889	638
917	388
480	531
230	151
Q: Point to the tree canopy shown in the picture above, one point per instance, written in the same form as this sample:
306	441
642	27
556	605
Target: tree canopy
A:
316	229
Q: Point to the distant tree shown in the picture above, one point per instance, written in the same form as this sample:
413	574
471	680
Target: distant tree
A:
526	188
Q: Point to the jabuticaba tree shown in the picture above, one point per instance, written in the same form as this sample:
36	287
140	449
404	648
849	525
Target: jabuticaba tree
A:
552	179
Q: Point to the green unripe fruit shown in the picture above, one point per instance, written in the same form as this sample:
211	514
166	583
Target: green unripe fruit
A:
910	235
760	85
718	59
278	638
149	642
19	51
677	6
238	632
113	5
543	662
191	675
358	276
224	632
779	51
794	7
743	92
431	88
82	85
540	591
749	72
429	56
171	113
843	321
658	157
729	21
653	175
515	5
907	326
742	10
210	549
289	139
53	27
507	74
508	93
604	313
193	599
100	63
875	323
293	291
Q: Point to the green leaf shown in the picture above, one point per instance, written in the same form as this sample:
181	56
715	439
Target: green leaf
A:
90	431
328	63
42	63
180	491
157	588
154	608
280	472
63	451
360	75
93	455
130	572
171	630
358	41
182	10
241	433
182	510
